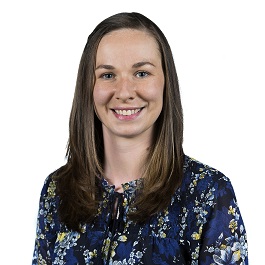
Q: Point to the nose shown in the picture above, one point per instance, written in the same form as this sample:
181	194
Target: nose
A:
125	89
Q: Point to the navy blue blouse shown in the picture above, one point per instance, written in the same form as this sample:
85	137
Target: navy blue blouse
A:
202	225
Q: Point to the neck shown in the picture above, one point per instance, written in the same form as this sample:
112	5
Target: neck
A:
124	159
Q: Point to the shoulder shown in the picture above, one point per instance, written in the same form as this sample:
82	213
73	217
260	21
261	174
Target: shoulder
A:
207	191
199	177
49	187
213	215
49	203
194	167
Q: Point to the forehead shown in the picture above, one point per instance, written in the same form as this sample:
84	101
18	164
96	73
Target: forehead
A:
128	41
128	34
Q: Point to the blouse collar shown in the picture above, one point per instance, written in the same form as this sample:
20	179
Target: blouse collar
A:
129	187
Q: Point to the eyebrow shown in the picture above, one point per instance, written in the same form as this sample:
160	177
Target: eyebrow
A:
140	64
136	65
105	66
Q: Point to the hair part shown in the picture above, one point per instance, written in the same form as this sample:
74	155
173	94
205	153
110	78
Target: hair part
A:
78	181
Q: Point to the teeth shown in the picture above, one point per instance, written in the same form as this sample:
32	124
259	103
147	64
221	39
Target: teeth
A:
127	112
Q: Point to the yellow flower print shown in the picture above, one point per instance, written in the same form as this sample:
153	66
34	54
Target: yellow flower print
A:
237	255
125	202
99	211
163	235
231	210
93	254
233	225
49	218
202	175
122	238
51	190
41	261
61	236
195	254
107	244
223	247
197	236
105	248
114	245
82	228
126	186
160	221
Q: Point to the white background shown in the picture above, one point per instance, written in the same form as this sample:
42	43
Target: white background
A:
218	48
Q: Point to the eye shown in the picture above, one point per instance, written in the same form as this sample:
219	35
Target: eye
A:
142	74
107	76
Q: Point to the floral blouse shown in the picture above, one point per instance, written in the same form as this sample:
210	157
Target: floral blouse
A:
202	225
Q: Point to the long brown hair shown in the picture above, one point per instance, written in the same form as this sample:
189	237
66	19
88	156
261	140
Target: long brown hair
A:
78	181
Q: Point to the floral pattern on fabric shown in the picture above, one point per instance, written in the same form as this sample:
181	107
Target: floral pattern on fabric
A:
202	225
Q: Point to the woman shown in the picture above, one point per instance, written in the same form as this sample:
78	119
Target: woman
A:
128	194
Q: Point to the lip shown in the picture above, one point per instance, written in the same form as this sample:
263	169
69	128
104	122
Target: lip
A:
130	113
126	108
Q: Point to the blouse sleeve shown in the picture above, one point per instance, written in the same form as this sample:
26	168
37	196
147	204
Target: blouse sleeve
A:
224	237
46	224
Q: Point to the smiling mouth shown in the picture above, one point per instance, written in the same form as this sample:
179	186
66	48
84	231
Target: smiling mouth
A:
127	112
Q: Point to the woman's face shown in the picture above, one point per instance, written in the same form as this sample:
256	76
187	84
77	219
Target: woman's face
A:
129	84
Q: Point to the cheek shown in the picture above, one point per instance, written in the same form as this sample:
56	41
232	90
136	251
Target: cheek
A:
154	93
101	96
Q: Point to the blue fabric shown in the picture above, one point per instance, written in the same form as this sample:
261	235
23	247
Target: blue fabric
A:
202	225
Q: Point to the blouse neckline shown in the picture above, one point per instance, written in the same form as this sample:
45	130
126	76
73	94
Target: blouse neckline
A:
129	187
